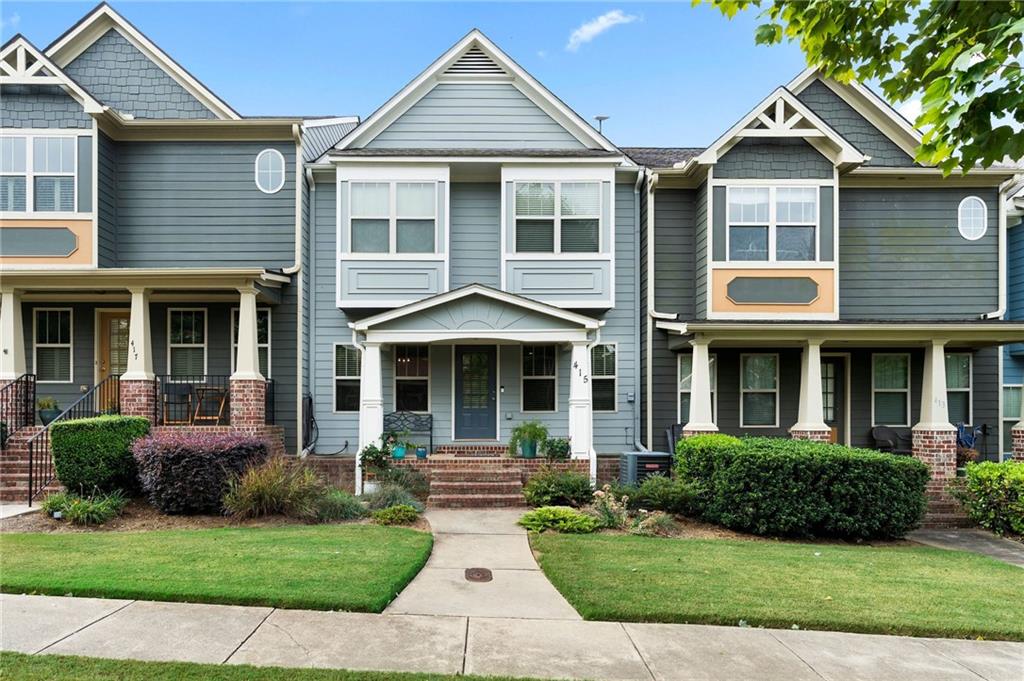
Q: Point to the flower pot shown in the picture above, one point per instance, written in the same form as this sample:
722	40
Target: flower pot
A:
47	415
398	452
529	449
370	486
421	452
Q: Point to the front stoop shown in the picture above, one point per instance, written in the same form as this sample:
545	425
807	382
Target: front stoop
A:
14	468
481	486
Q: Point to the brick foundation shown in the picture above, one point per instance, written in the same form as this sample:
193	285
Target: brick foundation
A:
1017	435
691	433
607	469
248	404
937	449
138	398
812	435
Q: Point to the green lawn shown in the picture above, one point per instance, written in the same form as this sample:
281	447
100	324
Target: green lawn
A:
890	590
17	667
324	567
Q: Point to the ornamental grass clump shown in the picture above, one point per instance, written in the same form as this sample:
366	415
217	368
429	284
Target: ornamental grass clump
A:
78	510
275	487
338	505
390	494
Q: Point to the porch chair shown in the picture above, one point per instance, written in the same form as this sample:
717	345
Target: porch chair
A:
893	440
177	402
673	434
411	422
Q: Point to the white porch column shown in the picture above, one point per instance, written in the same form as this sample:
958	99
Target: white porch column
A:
934	408
811	415
247	359
12	337
581	409
701	420
140	345
371	403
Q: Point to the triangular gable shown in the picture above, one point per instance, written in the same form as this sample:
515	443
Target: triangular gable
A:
878	112
21	63
476	308
476	59
782	115
97	23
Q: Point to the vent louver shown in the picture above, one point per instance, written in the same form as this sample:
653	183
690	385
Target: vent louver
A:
474	62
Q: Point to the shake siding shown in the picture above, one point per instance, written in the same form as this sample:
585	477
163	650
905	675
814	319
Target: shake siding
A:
782	158
107	209
476	116
196	204
41	106
476	234
901	256
700	249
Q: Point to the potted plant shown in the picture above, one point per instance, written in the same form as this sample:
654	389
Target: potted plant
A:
557	448
48	409
399	444
526	436
374	460
421	452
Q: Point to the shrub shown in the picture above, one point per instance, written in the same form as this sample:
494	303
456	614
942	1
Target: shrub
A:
412	480
337	504
993	495
190	472
608	511
629	495
774	486
557	448
551	487
95	455
94	510
277	486
659	493
389	494
558	518
698	447
656	524
399	514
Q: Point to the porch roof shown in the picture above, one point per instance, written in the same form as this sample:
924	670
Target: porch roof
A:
155	279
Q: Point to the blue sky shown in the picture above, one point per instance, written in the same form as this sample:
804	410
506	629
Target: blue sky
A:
667	74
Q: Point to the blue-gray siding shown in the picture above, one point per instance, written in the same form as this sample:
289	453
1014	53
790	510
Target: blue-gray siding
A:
476	234
477	116
40	106
700	248
316	139
783	158
119	75
1014	358
107	208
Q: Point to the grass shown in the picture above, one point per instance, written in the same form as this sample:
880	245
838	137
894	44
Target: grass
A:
322	567
907	590
18	667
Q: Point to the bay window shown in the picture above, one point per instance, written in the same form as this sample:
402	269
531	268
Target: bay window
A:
53	169
557	217
393	217
13	174
412	378
772	224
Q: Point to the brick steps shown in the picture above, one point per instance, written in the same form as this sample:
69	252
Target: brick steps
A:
482	485
510	475
477	501
14	467
445	489
472	450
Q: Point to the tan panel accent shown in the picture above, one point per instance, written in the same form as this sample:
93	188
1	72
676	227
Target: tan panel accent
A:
824	278
82	229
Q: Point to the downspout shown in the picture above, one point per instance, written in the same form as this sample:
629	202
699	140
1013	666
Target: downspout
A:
1001	226
359	464
300	294
641	173
312	291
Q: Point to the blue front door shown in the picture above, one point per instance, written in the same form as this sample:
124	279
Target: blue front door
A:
476	383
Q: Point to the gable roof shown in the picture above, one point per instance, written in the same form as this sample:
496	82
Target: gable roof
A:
21	63
101	19
476	57
320	134
661	157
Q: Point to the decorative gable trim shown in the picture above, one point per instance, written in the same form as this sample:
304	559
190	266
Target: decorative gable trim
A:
474	63
473	43
100	20
781	114
22	64
876	110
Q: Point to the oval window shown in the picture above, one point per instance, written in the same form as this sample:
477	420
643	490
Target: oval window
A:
270	171
972	218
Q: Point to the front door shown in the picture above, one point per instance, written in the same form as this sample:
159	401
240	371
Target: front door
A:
833	396
476	383
112	351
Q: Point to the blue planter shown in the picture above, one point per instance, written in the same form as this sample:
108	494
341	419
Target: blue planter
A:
421	452
398	452
529	449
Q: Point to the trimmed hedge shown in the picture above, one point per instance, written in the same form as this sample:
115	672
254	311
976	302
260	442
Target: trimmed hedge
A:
552	487
94	456
774	486
190	472
993	495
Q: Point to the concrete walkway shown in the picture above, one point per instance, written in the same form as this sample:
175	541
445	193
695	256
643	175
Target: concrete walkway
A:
489	646
974	540
481	539
9	510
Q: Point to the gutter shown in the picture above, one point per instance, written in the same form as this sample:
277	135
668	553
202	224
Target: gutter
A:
1001	251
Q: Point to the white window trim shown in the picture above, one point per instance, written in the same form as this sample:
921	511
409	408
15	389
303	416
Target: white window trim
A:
334	372
393	219
256	171
523	378
773	224
395	378
744	391
713	362
960	220
614	378
30	173
970	385
557	218
205	346
875	390
1007	422
267	345
70	346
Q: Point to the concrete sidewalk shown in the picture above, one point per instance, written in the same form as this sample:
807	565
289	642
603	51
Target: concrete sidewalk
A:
974	540
484	645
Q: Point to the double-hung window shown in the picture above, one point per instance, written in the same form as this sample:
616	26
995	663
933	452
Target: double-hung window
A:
1011	414
53	174
13	174
186	343
890	389
773	224
347	370
958	387
603	373
685	376
412	378
557	217
53	345
759	391
539	377
262	338
393	217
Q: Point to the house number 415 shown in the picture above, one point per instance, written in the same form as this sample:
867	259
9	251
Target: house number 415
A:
586	377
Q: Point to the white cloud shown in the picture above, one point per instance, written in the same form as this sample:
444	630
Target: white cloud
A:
10	22
542	54
596	26
910	109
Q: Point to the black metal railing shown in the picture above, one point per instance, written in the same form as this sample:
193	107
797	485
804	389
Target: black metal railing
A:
193	400
102	398
17	406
